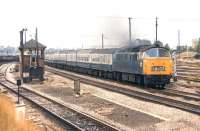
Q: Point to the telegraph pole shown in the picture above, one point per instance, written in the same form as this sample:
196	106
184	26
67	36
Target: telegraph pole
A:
156	29
25	35
36	39
129	19
22	53
179	43
102	41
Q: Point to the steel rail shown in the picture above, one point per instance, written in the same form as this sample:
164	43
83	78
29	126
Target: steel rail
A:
131	92
64	121
74	126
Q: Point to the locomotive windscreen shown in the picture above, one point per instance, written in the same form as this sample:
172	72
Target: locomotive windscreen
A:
157	52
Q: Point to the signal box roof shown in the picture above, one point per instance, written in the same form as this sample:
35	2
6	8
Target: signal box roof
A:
32	45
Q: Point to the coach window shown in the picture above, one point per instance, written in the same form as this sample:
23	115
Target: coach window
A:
125	56
118	57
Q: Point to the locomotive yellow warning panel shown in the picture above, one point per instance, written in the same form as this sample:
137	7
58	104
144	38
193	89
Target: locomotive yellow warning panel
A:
157	66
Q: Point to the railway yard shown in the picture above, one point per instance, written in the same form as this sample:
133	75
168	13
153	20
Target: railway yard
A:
108	105
127	65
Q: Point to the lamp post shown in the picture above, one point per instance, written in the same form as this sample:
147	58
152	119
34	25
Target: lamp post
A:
156	29
130	35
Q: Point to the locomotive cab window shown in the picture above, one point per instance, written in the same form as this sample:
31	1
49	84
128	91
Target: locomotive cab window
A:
163	53
157	52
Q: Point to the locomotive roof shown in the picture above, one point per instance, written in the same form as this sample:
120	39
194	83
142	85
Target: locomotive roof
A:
140	48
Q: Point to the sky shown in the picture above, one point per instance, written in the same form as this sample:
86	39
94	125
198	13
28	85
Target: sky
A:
80	23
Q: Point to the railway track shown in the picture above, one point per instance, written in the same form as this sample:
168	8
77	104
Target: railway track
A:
187	106
188	85
188	78
77	120
188	71
186	95
185	68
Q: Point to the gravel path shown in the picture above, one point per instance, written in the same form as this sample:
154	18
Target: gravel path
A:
108	109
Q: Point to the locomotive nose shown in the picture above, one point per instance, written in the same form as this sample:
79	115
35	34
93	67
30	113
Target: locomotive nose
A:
157	66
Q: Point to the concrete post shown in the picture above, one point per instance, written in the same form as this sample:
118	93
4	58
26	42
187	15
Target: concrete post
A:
77	86
20	112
